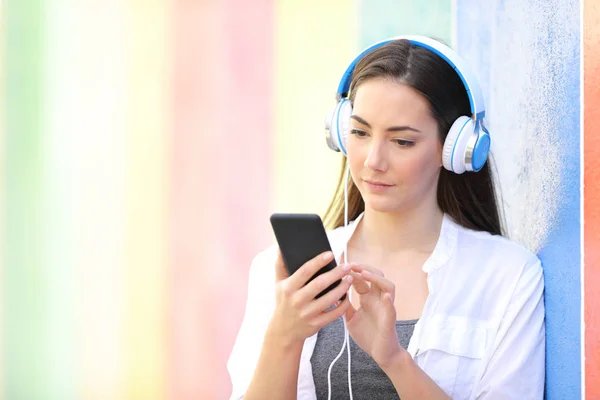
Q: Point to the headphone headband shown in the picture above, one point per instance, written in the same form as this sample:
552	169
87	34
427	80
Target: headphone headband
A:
450	56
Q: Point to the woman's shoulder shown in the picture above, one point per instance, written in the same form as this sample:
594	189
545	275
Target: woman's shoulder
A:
266	254
263	262
496	247
494	268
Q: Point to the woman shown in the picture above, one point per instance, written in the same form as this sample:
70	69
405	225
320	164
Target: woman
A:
441	306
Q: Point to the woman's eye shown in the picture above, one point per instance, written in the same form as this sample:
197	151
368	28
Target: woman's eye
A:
404	143
358	132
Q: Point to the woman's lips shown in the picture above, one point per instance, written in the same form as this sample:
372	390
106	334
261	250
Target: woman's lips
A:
376	186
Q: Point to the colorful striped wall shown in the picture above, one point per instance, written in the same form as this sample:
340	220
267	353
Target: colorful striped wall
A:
144	144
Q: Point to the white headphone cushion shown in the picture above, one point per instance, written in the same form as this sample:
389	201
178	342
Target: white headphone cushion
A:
453	154
341	124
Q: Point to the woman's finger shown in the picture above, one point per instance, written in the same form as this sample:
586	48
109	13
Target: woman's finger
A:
363	267
350	311
390	315
360	285
379	282
326	317
322	282
311	267
324	302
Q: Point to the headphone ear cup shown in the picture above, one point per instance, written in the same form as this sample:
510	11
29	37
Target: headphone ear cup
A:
339	123
481	150
343	123
453	153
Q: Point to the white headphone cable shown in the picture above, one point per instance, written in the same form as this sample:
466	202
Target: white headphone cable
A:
346	335
346	344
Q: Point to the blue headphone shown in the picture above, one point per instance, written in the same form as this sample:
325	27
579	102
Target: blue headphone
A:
467	144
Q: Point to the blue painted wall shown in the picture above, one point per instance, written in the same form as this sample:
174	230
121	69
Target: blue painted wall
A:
526	53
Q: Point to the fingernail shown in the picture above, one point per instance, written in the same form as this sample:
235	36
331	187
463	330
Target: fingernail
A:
346	267
327	255
349	278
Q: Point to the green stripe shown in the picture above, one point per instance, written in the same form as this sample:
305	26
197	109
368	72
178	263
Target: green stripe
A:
23	291
380	19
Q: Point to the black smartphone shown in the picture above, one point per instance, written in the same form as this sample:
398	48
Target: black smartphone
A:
302	237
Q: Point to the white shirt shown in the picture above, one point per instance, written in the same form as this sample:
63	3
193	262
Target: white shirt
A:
481	334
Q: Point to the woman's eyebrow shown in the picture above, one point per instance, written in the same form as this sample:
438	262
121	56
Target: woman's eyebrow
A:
390	129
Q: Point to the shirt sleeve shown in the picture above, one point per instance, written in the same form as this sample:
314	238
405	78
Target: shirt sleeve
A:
260	305
516	368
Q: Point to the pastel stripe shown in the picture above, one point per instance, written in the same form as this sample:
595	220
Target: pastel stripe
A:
244	168
308	68
3	96
220	182
591	77
380	19
98	117
24	290
147	148
60	271
194	129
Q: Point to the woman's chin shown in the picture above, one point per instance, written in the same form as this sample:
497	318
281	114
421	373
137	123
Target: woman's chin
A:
382	205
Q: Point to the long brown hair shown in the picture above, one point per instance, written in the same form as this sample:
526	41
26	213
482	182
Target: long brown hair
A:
469	198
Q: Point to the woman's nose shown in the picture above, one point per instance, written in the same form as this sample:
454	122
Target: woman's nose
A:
376	160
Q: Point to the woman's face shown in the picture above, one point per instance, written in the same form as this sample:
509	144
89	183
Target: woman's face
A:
394	151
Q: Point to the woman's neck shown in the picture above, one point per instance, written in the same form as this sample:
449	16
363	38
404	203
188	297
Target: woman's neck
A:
387	233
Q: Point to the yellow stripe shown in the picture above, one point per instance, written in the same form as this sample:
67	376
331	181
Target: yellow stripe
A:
98	118
146	193
315	42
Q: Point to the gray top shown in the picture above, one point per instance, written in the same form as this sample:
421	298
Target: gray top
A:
368	380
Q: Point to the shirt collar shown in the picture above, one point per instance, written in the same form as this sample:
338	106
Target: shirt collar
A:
444	246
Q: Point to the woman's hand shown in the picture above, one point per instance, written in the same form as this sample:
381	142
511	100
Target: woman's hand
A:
298	315
373	324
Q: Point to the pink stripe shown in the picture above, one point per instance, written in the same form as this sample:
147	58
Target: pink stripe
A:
247	119
195	65
591	62
221	173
